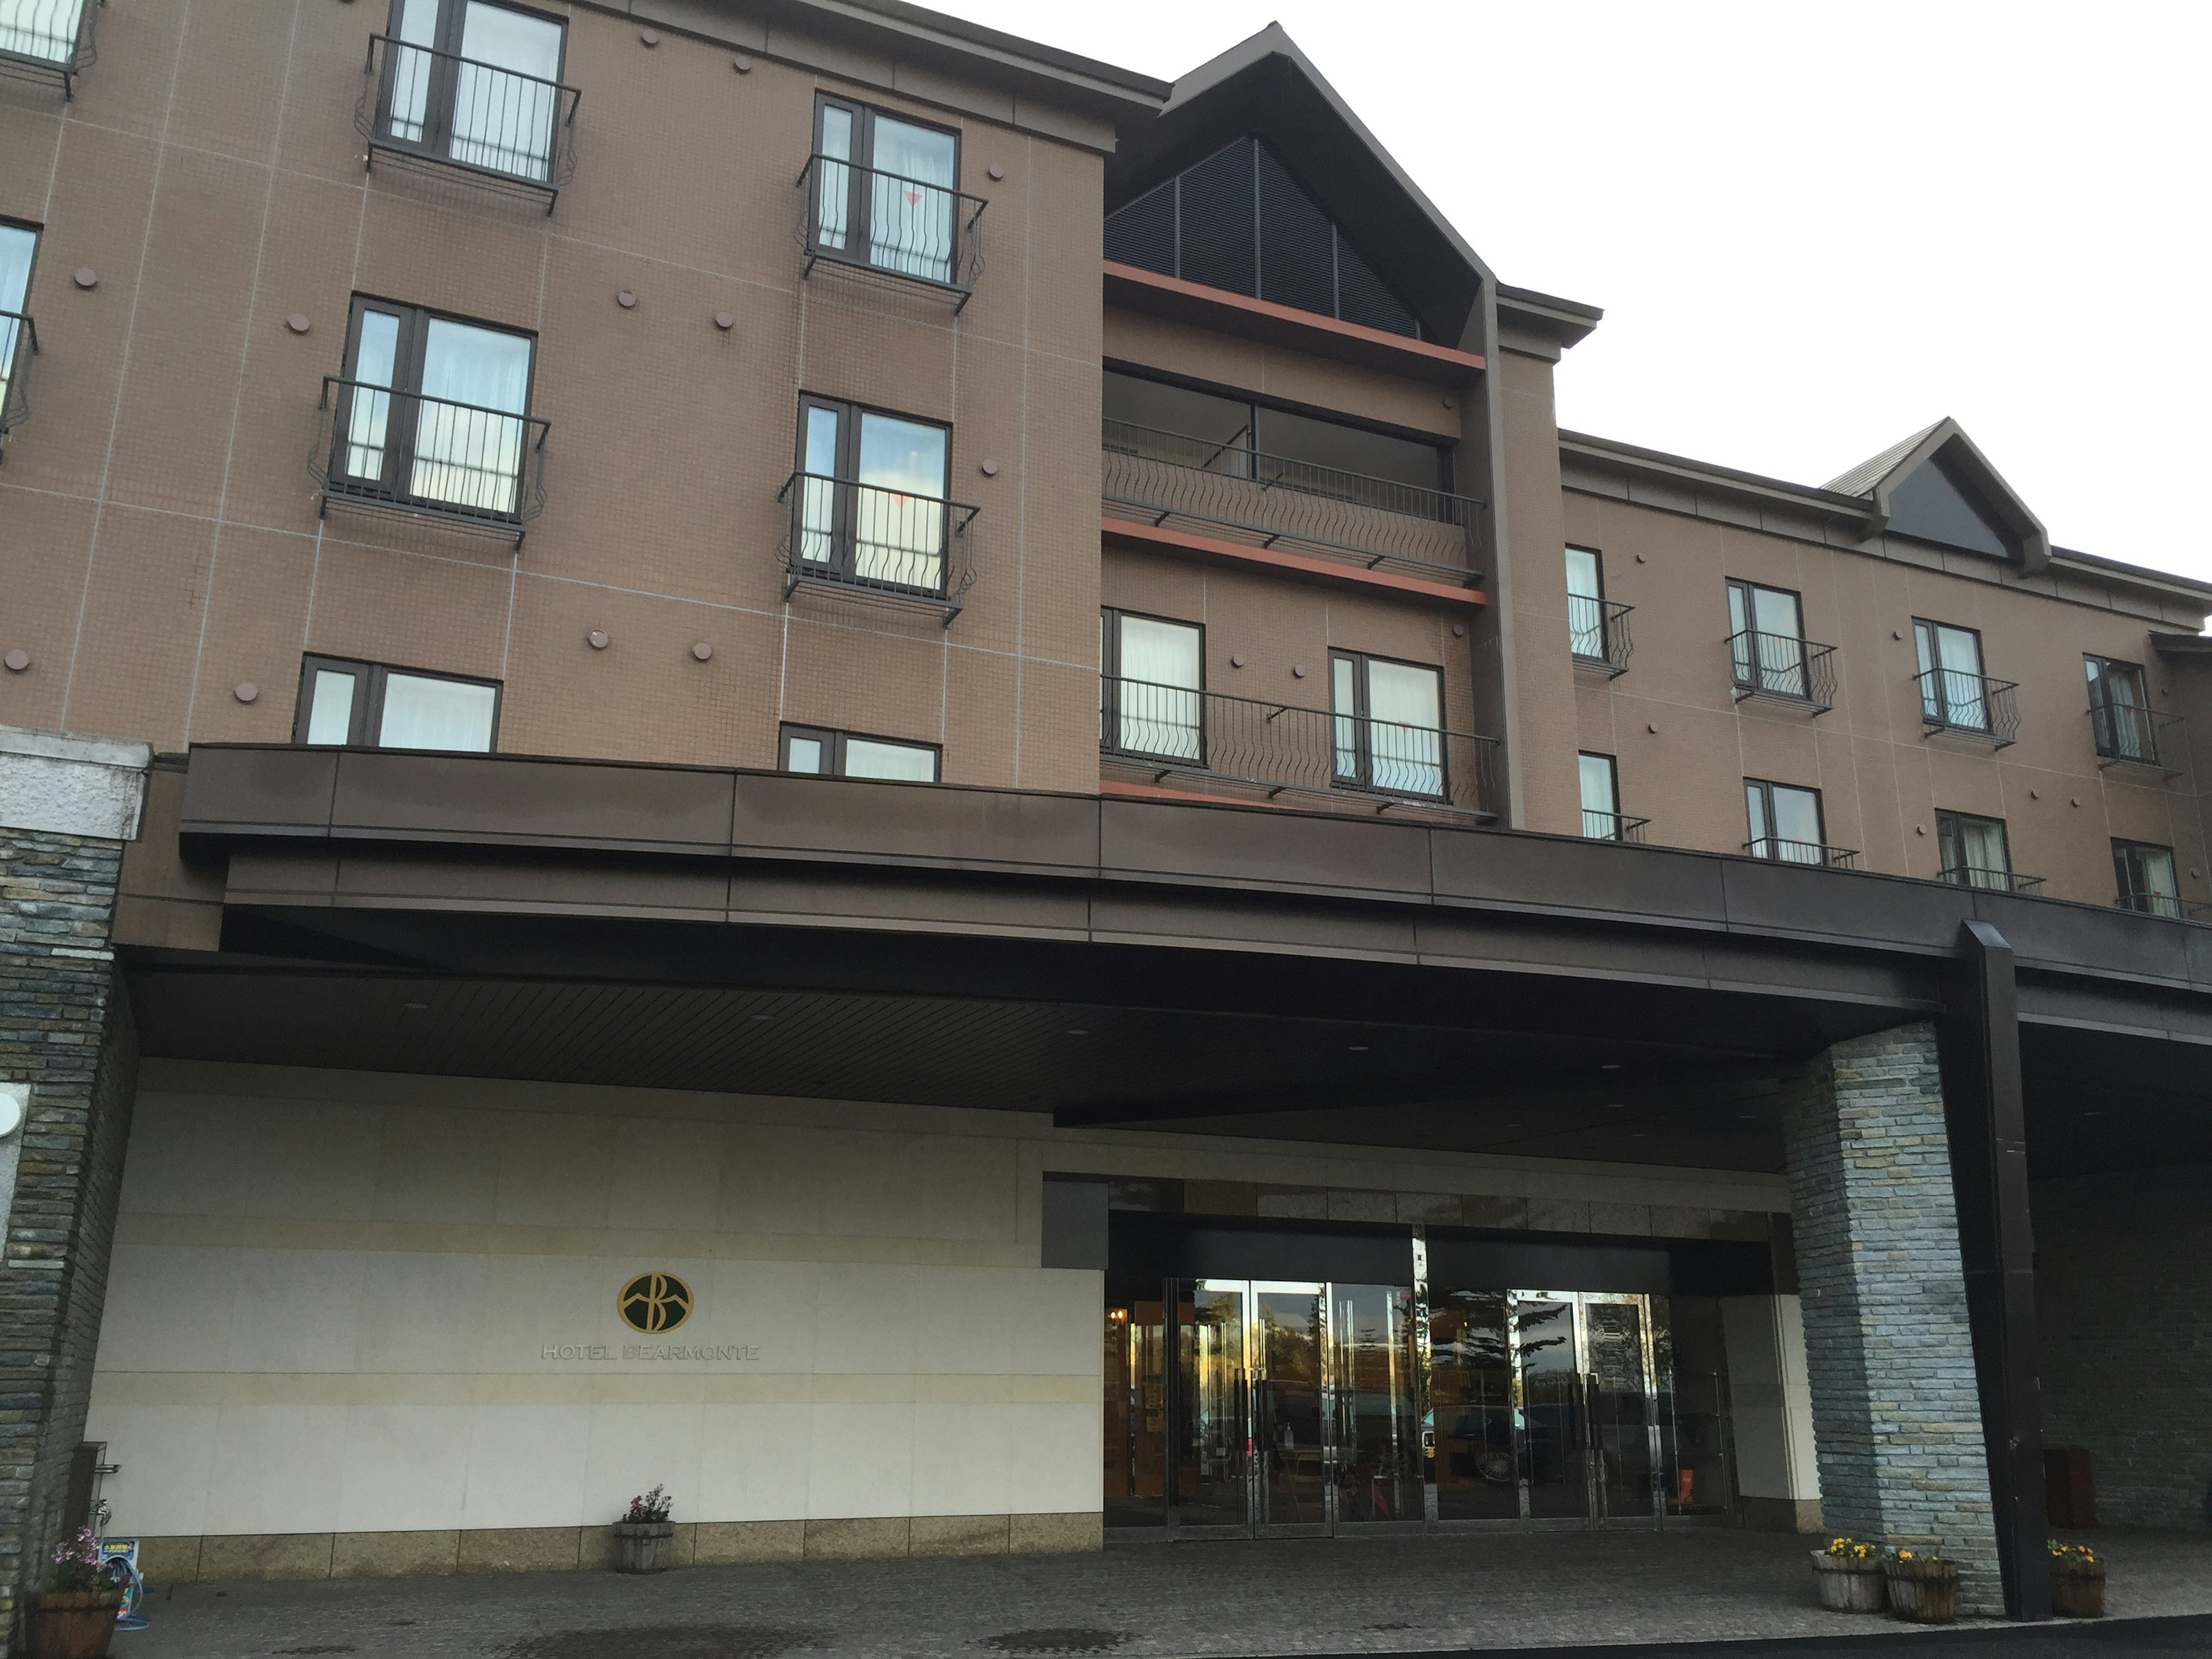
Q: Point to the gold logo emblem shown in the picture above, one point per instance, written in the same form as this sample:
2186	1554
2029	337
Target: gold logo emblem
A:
653	1302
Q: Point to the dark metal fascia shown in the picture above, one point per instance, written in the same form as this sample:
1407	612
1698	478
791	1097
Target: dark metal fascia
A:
1750	486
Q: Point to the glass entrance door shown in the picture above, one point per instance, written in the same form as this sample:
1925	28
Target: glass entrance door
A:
1549	1430
1586	1418
1291	1426
1623	1409
1376	1431
1213	1428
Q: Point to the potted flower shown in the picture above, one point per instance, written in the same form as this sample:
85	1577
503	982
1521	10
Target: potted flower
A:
2077	1581
1922	1586
74	1618
1849	1574
641	1536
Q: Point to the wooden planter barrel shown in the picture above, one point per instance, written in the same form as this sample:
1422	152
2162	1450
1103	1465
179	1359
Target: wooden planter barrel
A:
1848	1584
73	1624
643	1545
2078	1592
1924	1591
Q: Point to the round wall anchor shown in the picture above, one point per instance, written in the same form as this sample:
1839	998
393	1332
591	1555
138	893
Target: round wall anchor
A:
596	638
990	469
725	321
703	650
1298	671
86	277
996	172
17	661
245	691
743	64
298	323
626	299
648	38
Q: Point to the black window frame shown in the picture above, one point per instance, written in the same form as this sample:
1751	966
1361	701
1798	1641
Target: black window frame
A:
1937	708
2143	902
1110	617
858	199
1363	776
1772	839
1619	830
367	716
833	740
844	541
2116	738
1751	674
1603	655
66	67
406	390
14	407
1950	848
437	140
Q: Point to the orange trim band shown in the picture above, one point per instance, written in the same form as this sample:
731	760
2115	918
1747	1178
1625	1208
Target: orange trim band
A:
1290	316
1303	567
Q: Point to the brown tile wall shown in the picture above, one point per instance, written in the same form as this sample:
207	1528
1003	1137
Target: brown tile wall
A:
158	539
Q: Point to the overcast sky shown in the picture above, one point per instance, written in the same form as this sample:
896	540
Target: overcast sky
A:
1813	227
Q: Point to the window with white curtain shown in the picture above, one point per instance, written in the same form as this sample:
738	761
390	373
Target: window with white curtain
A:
18	244
1974	850
884	190
432	409
833	754
872	494
475	82
1785	823
1389	721
1586	604
1601	787
1151	683
43	29
2144	873
1767	637
1951	690
366	705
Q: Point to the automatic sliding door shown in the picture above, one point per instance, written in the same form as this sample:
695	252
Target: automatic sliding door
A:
1618	1363
1471	1374
1377	1441
1290	1341
1135	1438
1213	1425
1551	1433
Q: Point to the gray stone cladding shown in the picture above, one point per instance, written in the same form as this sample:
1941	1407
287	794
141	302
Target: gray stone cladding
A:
65	1028
1896	1414
2123	1335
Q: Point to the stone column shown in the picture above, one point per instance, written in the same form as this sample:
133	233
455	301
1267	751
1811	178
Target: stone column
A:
67	806
1897	1413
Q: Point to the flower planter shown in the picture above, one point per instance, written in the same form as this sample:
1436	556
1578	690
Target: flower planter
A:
1848	1584
2078	1592
1924	1589
73	1624
643	1545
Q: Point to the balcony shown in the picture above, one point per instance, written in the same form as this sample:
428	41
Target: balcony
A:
1997	881
48	40
507	130
1612	826
870	542
400	451
18	343
1597	633
1969	705
2127	735
1274	500
2162	904
1277	749
867	222
1780	849
1784	667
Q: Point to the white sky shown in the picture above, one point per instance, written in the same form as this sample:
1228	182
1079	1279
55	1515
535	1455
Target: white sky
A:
1813	227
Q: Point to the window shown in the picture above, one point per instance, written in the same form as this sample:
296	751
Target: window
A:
1953	691
1601	819
45	30
432	413
1151	683
365	705
19	245
1973	851
886	191
473	83
1586	604
2119	711
871	506
1785	823
1389	719
1766	640
2144	874
845	755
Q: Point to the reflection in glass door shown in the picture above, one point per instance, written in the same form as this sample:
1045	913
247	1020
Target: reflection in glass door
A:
1289	1350
1587	1420
1549	1428
1620	1406
1375	1436
1471	1374
1136	1380
1213	1443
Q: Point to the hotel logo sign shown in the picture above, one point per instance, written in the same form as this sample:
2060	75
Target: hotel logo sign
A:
654	1302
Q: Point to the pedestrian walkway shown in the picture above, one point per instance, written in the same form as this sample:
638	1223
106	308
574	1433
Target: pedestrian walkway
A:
1379	1596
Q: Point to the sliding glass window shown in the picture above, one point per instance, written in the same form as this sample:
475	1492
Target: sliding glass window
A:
365	705
1388	718
872	505
431	411
19	245
1151	686
1952	692
833	754
473	83
1974	851
884	190
44	30
1785	822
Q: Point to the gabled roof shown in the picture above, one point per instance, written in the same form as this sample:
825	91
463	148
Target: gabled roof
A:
1266	88
1936	486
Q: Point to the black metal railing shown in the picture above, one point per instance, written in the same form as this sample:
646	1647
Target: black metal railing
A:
1781	849
2000	881
2160	905
18	343
875	221
1281	748
1952	700
411	453
49	39
515	129
1279	500
2138	736
865	538
1783	666
1612	826
1598	632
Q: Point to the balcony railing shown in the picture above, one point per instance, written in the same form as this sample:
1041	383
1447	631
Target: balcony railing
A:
884	543
1276	500
2127	733
404	452
511	129
1598	632
1612	826
871	220
1279	747
48	40
18	343
1783	666
1973	705
2000	881
2162	904
1780	849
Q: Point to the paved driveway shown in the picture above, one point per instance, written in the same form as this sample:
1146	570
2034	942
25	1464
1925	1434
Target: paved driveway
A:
1421	1594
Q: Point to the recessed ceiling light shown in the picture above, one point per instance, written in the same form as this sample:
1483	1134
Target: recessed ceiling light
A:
1610	1066
764	1019
1638	1135
1746	1117
2092	1114
1077	1030
1616	1106
1356	1047
1512	1125
413	1008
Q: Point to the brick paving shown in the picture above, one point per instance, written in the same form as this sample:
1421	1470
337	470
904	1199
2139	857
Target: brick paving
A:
1369	1597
